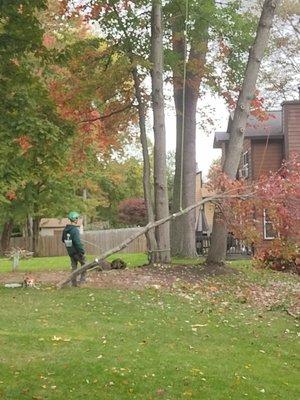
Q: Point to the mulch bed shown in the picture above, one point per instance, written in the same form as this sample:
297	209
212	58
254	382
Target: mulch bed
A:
163	276
180	277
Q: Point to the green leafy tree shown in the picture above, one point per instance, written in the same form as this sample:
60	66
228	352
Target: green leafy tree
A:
61	113
32	134
120	180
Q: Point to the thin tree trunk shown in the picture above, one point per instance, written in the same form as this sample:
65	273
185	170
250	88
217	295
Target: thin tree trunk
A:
5	236
84	198
35	235
150	236
28	233
178	44
160	176
217	251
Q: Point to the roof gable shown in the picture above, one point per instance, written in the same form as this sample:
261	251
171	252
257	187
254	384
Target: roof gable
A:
271	127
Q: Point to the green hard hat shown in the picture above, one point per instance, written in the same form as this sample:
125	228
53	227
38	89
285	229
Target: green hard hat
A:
73	216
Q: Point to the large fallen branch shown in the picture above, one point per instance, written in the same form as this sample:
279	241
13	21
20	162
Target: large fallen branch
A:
149	226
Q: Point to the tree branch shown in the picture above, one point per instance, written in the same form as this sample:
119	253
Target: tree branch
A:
145	230
102	117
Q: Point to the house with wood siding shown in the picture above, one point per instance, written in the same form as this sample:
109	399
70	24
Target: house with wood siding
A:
266	144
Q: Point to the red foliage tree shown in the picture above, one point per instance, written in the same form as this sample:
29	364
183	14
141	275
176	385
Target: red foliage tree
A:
279	193
132	211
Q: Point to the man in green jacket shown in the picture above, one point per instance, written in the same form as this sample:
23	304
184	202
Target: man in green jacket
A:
75	249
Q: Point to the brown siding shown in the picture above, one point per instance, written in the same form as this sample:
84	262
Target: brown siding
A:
266	157
291	127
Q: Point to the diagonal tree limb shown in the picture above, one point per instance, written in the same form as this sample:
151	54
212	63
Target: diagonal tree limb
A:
102	117
149	226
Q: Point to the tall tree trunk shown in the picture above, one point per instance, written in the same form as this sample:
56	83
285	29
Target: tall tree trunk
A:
35	235
150	236
28	232
84	198
5	236
188	221
160	175
217	251
179	44
186	98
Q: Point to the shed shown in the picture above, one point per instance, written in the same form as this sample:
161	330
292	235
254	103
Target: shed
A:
54	226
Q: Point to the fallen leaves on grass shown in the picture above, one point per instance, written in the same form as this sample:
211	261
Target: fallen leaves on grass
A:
60	339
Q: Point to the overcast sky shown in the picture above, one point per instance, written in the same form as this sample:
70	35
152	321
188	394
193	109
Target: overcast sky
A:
205	153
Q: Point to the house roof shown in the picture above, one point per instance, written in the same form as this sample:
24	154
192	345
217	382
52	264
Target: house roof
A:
272	127
56	222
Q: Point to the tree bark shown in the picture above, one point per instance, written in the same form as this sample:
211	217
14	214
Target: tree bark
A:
217	251
186	98
84	198
28	232
150	236
160	176
35	235
5	236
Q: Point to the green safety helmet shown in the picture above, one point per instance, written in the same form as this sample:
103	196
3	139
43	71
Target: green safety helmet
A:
73	216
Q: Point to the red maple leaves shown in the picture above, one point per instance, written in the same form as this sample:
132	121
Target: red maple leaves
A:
24	142
11	195
278	192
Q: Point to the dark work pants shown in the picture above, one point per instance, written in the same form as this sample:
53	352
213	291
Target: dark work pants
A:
75	259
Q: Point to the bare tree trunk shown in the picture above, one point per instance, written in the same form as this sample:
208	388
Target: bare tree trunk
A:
5	236
188	221
160	176
35	235
179	48
84	198
28	233
217	251
150	236
186	98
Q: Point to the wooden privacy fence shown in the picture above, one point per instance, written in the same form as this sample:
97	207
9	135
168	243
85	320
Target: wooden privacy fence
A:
95	242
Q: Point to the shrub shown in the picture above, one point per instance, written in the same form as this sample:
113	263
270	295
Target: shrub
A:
132	211
281	255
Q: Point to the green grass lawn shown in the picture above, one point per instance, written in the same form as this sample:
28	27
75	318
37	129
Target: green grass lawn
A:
112	344
63	263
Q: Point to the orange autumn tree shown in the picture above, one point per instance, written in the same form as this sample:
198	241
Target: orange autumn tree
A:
90	84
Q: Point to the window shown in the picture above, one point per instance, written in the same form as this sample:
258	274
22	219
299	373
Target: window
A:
269	231
244	171
246	159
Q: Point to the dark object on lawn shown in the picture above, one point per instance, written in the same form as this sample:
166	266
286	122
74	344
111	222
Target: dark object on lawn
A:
118	264
107	266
